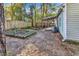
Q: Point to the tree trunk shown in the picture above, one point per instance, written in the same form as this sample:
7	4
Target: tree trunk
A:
35	15
31	10
43	13
43	8
32	21
21	12
46	9
2	38
11	11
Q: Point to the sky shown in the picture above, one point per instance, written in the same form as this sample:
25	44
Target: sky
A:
38	5
27	4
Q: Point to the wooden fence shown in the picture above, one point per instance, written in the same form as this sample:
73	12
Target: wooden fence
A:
16	24
21	24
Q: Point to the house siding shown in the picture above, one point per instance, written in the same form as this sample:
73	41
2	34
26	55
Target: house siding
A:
72	21
61	24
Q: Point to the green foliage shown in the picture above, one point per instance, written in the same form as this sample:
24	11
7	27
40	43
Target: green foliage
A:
17	11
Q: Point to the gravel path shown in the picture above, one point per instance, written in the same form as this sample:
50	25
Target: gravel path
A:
44	43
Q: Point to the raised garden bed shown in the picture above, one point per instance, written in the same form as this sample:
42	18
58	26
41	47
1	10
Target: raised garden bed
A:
20	33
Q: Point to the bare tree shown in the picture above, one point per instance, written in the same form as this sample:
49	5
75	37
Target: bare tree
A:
2	38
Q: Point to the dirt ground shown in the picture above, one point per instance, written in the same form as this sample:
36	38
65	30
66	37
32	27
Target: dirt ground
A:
44	43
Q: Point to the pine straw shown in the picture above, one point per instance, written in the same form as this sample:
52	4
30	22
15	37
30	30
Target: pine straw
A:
32	50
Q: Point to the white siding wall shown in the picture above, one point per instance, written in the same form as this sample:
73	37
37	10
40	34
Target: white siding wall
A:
65	21
62	23
72	21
